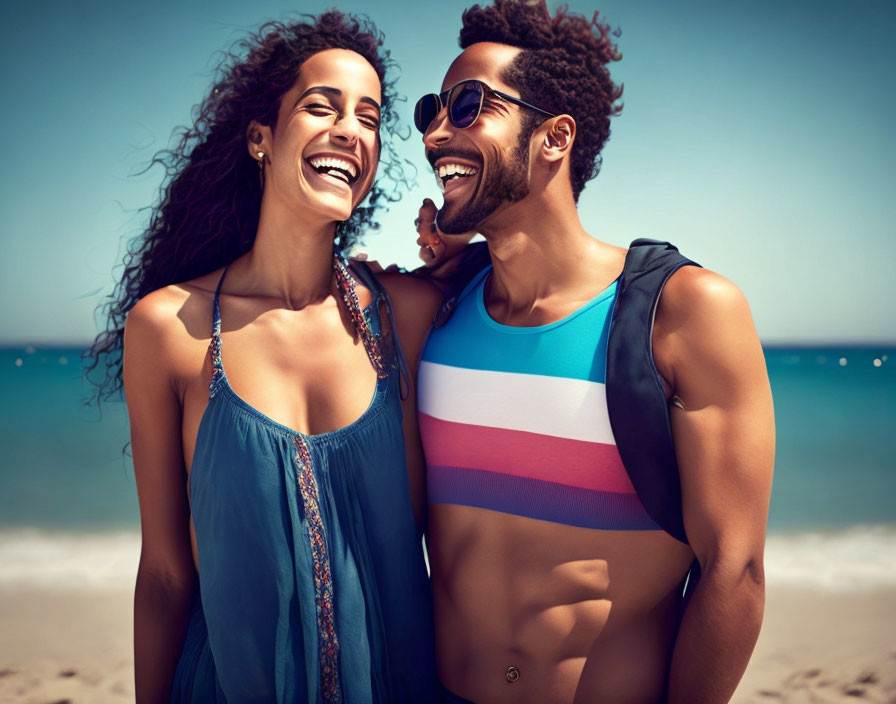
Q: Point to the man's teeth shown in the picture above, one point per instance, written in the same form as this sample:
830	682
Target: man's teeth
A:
338	168
447	171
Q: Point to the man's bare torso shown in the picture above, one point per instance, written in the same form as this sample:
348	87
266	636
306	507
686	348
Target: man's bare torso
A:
583	615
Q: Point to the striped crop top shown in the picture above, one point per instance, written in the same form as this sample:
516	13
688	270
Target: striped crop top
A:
514	419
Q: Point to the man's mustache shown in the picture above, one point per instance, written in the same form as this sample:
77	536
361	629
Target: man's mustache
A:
433	155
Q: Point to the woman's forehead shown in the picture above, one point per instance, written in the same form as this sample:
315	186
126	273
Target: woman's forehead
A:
343	69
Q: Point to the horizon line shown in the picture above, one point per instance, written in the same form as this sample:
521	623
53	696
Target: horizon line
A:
770	344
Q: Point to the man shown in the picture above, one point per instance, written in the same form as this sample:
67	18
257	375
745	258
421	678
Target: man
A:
552	582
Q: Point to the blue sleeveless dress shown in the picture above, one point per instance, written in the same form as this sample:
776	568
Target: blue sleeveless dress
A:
312	583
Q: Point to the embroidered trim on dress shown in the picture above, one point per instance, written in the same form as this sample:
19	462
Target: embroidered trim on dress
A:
214	349
350	296
328	642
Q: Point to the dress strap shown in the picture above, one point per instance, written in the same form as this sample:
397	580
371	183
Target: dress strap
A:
350	296
388	335
214	347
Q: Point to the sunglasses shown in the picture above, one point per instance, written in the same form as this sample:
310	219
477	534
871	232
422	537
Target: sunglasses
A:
464	103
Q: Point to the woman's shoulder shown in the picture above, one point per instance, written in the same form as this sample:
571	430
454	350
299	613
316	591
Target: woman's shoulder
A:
173	320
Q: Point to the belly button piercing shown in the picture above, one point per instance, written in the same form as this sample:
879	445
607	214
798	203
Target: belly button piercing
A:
512	674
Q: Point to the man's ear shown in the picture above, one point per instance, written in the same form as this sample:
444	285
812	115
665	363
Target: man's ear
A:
557	137
258	141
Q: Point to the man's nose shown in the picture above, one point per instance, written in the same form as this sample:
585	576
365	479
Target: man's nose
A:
439	130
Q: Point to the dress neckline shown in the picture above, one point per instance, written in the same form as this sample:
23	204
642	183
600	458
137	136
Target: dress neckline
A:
220	382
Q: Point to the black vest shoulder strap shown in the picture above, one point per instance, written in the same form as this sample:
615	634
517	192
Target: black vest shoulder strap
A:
636	400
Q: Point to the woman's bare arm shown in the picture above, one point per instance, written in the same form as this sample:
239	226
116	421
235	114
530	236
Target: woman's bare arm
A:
415	303
165	577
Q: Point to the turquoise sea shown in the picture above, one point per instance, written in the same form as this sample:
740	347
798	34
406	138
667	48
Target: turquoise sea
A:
68	506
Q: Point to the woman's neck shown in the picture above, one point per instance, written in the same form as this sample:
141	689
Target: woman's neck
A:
291	259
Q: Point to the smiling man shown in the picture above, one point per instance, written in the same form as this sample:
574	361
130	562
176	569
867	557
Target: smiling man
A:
558	573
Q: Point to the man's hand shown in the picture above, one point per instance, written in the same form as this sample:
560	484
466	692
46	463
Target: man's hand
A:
436	247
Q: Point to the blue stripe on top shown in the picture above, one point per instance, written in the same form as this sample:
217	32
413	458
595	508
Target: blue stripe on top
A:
472	339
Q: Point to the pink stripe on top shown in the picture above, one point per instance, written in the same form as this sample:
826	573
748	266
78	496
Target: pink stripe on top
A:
574	463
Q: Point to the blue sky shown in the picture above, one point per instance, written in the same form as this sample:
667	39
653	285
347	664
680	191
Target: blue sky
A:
756	136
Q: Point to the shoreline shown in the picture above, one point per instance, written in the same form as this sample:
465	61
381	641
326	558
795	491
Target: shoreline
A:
74	645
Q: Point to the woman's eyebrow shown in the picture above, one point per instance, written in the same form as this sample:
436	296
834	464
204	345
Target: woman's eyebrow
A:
329	90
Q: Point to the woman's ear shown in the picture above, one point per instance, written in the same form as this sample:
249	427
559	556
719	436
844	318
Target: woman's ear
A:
559	135
258	141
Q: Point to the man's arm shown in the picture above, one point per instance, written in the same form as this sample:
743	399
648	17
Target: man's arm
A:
443	256
708	351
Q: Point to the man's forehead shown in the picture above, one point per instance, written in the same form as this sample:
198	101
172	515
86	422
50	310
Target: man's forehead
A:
483	60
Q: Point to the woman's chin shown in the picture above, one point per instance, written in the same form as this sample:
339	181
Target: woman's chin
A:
330	207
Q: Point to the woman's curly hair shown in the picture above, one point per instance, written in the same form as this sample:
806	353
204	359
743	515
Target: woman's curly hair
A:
562	68
209	202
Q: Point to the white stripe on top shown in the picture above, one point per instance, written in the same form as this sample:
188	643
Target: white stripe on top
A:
565	408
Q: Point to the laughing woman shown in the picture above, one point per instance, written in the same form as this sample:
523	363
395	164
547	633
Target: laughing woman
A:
281	557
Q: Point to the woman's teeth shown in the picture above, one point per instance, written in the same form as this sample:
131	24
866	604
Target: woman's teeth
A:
337	168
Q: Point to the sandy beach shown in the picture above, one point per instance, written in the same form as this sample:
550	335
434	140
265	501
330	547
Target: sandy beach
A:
74	646
60	645
823	647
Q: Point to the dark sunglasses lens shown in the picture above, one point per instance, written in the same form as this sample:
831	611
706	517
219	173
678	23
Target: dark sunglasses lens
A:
465	102
426	110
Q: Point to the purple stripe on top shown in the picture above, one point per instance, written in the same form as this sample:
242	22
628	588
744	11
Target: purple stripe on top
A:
534	498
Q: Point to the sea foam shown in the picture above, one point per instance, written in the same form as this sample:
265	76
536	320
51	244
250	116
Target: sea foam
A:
89	561
855	559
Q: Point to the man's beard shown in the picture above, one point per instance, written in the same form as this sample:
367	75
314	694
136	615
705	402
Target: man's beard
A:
506	182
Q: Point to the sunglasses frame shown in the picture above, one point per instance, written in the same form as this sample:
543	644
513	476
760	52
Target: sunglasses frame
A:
445	100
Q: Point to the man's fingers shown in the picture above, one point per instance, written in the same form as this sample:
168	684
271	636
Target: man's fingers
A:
432	254
426	224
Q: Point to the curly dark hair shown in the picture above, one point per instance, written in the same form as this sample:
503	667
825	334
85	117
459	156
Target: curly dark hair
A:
562	68
208	207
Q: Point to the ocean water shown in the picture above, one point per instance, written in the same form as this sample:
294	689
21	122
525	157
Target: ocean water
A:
69	514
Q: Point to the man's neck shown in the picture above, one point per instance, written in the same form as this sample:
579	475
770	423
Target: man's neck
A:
544	261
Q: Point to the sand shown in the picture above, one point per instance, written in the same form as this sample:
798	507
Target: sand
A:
75	646
821	647
60	645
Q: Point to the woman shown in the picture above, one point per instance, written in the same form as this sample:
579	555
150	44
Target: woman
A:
281	557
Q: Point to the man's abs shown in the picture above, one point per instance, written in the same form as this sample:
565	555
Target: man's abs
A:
530	611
